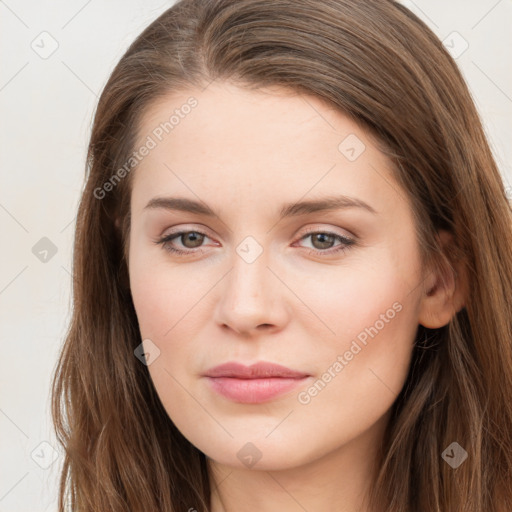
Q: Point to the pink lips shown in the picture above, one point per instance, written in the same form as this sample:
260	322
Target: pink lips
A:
253	384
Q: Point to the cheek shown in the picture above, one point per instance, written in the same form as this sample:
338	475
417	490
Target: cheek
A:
152	304
164	301
368	299
364	355
161	294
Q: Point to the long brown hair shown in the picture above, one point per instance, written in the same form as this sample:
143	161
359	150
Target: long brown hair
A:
378	63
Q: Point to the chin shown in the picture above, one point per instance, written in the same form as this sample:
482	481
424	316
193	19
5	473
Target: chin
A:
260	454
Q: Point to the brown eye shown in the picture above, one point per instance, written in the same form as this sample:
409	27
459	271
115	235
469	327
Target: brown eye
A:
322	240
326	243
191	239
183	243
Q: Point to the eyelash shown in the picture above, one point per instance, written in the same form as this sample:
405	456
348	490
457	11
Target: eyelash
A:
345	245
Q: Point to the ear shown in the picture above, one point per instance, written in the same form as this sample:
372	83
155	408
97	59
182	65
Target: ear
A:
444	289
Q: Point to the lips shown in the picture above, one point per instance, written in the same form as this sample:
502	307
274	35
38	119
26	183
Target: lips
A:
255	371
257	383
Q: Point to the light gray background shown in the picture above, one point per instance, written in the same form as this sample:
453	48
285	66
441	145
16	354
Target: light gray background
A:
47	103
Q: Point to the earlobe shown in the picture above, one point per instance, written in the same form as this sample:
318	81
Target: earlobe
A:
444	289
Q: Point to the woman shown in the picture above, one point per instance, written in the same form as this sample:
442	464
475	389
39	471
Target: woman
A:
292	272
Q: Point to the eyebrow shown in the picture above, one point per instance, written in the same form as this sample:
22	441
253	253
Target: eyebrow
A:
288	210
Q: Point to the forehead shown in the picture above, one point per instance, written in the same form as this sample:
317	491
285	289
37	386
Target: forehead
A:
257	147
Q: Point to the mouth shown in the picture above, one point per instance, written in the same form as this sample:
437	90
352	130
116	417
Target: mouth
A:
253	384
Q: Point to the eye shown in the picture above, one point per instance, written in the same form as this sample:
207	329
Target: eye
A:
323	242
189	239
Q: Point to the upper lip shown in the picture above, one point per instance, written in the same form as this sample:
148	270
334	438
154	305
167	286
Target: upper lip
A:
255	371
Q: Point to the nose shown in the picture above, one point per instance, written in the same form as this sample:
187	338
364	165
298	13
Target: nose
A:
252	299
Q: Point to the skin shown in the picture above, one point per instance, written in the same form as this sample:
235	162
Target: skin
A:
245	154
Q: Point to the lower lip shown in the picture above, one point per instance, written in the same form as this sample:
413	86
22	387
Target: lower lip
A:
253	391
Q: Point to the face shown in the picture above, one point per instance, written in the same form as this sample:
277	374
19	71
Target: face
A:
251	267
